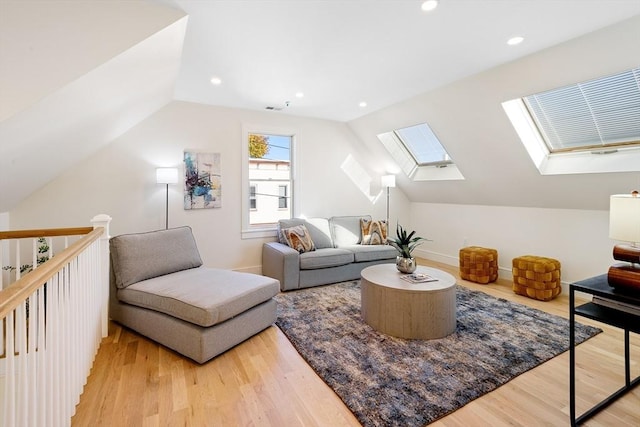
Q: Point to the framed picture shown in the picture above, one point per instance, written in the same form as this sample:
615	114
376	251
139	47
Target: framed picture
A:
202	180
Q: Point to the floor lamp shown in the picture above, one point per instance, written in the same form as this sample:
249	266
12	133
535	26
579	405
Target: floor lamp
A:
167	176
388	181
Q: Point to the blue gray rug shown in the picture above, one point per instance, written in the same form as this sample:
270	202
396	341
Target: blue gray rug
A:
387	381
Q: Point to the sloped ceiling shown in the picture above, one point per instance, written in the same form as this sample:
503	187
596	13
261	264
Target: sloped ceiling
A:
74	76
339	53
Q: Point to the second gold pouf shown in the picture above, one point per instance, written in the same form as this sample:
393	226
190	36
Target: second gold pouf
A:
536	277
478	264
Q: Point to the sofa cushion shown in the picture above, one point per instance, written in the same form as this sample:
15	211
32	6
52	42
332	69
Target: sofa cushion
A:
373	232
324	258
203	296
320	232
142	256
364	253
298	238
318	229
345	230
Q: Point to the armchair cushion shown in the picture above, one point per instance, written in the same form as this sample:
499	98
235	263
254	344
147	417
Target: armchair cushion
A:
203	296
173	250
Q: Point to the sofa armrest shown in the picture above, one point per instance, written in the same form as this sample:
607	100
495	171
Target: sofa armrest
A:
283	263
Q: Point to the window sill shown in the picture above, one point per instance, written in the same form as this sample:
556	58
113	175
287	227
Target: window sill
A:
259	233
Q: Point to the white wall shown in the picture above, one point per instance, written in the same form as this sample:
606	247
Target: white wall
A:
577	238
120	180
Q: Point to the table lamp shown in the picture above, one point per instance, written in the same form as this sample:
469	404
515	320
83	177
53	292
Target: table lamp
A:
624	226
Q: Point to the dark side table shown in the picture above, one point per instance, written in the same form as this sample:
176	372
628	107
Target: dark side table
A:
630	322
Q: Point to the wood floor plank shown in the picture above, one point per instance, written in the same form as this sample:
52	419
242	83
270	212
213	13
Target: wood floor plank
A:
265	382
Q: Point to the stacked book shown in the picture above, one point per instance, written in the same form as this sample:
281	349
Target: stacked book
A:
418	278
621	306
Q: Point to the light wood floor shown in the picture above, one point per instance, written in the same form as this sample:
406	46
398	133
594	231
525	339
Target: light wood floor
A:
264	382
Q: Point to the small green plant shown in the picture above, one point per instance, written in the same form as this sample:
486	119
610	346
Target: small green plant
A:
43	256
405	242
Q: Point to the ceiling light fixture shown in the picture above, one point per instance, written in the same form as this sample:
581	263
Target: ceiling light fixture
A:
515	40
299	95
216	80
363	104
429	5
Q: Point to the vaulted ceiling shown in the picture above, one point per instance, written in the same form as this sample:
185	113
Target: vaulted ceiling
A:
74	75
341	53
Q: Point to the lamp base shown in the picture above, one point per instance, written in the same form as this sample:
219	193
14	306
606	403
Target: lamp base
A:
624	276
627	253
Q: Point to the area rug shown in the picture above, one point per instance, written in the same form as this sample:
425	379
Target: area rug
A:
387	381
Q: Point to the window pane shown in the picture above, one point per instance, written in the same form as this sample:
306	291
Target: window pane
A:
269	178
423	144
598	113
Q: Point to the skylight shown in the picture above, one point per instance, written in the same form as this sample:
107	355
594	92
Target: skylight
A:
419	153
423	145
589	127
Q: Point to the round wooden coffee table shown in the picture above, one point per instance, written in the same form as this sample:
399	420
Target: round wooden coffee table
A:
402	309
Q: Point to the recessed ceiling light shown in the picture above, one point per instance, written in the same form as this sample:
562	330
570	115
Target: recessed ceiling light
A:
429	5
299	95
363	104
515	40
216	80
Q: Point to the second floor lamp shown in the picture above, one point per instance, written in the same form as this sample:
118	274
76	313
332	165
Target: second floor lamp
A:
388	181
167	176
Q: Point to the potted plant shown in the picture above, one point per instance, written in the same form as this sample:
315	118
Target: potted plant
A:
405	243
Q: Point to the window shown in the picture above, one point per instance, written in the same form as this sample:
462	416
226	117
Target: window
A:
596	114
252	197
590	127
269	181
419	153
282	199
423	145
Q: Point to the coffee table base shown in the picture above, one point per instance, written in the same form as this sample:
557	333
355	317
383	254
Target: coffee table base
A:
406	313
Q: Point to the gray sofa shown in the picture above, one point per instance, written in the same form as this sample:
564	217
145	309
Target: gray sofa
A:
338	255
159	288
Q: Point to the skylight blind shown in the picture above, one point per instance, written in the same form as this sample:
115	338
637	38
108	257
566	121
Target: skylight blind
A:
599	113
423	144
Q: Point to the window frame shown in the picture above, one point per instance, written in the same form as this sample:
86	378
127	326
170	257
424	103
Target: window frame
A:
249	231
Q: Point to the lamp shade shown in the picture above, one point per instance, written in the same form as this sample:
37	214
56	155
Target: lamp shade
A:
388	181
167	175
624	218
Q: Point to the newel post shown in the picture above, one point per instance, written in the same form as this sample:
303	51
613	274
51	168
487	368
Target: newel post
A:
103	220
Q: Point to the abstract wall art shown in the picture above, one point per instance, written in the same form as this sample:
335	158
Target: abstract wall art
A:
202	180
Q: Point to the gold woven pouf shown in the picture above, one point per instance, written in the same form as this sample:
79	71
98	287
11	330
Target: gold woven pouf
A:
536	277
479	264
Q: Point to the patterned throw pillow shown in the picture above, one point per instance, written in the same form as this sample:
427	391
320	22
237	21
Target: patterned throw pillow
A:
373	232
298	238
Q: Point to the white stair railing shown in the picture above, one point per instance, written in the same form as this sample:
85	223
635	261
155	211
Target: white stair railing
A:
52	321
